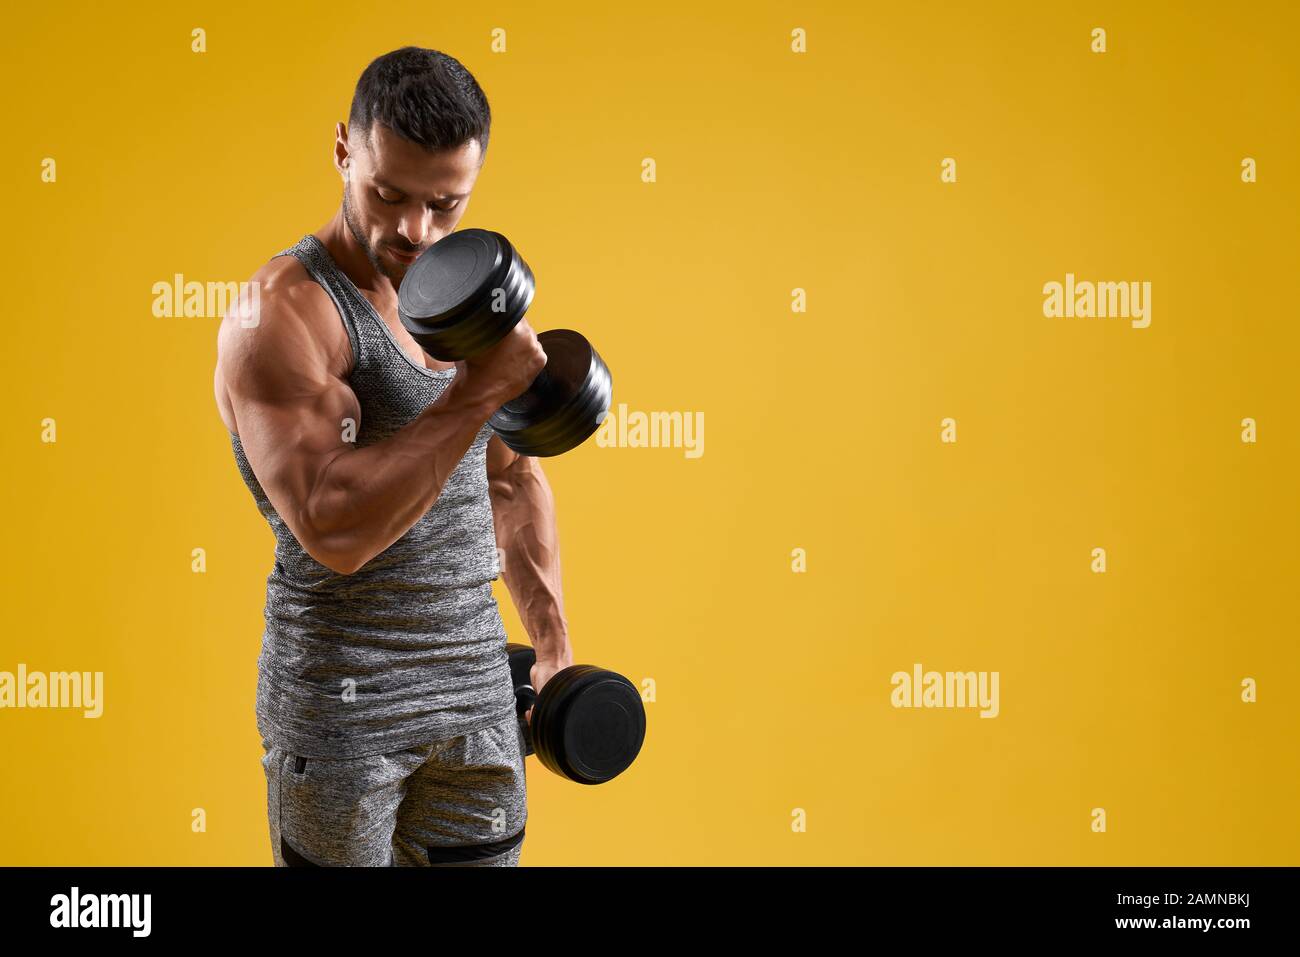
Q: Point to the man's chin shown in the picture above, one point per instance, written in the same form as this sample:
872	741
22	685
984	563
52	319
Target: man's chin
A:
387	267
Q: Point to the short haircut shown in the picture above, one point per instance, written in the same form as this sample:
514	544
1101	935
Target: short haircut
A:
423	96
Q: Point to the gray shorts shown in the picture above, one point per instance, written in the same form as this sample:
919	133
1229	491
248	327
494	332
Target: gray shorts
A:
459	802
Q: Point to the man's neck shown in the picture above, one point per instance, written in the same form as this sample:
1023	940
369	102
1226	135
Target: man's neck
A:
352	259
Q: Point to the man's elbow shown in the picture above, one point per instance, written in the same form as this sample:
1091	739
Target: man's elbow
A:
508	481
332	551
342	566
315	528
340	563
501	489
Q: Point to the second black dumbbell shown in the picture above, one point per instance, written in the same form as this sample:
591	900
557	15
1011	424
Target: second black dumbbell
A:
588	724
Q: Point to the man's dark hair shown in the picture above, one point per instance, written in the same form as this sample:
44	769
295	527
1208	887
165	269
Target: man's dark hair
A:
423	96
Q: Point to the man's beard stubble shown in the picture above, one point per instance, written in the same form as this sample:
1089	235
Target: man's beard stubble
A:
354	227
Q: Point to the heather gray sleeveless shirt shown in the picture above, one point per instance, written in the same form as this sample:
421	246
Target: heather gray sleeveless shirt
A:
410	648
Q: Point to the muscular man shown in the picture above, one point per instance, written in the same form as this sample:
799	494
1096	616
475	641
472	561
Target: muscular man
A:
384	697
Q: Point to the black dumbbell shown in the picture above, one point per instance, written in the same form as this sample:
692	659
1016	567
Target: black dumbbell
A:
588	724
462	296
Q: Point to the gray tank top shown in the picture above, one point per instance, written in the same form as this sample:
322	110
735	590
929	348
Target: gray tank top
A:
410	648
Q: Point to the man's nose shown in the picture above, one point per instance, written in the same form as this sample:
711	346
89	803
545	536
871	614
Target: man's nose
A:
414	227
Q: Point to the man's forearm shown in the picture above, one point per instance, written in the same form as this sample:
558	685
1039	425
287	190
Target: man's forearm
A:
367	498
523	511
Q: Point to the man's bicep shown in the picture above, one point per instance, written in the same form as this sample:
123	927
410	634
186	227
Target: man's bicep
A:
294	414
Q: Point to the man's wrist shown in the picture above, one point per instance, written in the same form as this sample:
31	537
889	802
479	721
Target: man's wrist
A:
552	646
464	395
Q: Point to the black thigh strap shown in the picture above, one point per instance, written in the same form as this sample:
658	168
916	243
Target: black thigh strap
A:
443	854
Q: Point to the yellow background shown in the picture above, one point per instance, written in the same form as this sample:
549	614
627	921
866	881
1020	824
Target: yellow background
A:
776	171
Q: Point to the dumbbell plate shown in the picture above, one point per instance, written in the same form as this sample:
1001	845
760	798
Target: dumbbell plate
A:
591	725
449	300
605	728
522	658
568	404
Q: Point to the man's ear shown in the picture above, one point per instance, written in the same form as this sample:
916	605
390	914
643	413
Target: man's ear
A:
342	151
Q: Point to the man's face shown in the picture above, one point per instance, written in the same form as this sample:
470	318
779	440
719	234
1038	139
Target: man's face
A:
399	198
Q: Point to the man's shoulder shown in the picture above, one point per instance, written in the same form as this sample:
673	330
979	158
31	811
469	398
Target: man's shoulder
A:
287	287
287	310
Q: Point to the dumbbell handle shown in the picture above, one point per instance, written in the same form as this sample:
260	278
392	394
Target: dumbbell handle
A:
537	395
543	380
525	698
543	385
